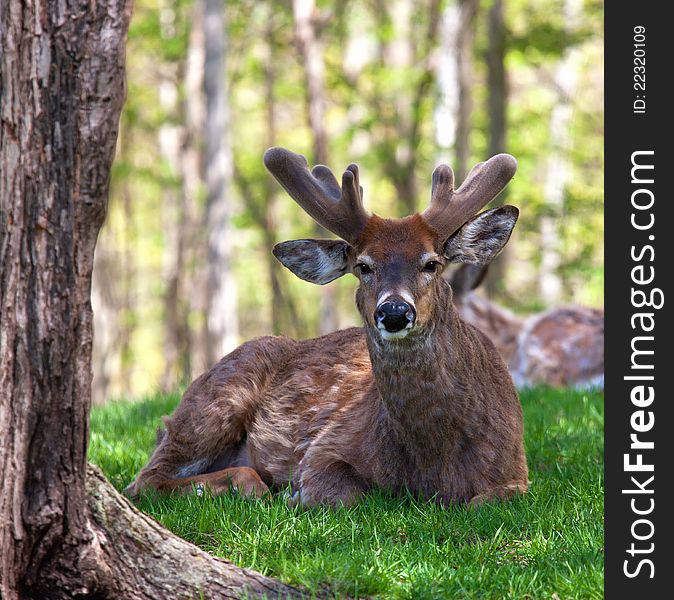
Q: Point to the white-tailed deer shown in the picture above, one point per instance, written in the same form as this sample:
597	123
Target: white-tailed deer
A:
561	347
415	399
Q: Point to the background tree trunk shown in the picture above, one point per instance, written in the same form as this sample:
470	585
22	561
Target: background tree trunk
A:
175	217
465	40
497	102
311	50
267	217
221	312
409	53
558	165
64	533
113	293
454	75
446	105
283	313
191	159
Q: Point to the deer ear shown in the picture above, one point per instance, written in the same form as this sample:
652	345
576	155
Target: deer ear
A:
483	237
466	278
317	261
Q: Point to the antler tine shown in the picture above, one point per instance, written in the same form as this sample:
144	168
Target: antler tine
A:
450	209
339	210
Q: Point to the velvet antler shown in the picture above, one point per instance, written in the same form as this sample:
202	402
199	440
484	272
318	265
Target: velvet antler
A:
450	209
339	210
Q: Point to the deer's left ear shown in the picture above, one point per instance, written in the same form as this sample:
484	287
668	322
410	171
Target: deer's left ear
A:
483	237
317	261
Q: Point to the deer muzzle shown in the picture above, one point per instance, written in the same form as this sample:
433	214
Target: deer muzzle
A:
394	315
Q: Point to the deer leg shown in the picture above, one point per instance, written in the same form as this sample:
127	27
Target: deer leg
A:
501	492
178	458
208	430
336	484
244	480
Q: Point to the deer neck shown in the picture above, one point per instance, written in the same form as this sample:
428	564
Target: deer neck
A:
417	380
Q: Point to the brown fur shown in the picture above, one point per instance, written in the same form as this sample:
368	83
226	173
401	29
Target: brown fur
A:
435	412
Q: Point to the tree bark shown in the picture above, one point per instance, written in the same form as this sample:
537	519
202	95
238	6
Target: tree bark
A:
65	533
62	80
131	556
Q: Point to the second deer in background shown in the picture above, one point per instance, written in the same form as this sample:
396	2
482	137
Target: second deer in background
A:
561	347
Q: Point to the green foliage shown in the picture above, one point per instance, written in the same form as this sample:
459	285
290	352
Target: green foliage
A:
546	544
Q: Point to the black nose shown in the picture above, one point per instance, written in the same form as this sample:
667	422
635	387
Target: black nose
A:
394	315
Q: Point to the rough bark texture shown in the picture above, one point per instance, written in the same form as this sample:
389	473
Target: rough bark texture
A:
62	83
166	566
62	68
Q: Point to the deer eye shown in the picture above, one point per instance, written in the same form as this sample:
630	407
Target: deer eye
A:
364	269
431	266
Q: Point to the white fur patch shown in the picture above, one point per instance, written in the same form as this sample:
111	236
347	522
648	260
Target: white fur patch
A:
395	335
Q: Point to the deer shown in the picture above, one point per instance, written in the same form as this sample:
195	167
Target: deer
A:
560	347
414	401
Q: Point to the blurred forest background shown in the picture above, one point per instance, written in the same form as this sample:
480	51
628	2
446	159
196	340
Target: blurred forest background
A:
184	270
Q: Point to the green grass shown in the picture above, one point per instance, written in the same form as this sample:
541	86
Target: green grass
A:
546	544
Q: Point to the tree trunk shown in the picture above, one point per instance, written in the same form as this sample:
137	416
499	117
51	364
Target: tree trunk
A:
221	315
398	54
191	175
446	105
284	317
106	323
65	533
304	12
112	294
175	220
497	100
558	166
259	192
409	52
465	39
131	556
454	108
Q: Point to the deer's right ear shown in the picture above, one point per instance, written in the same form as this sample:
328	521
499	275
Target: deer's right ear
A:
467	277
317	261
